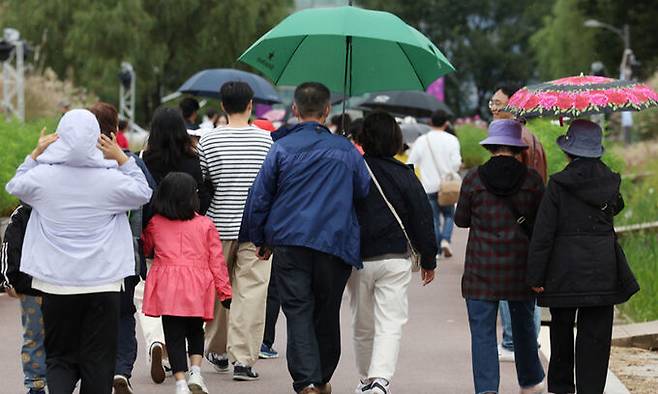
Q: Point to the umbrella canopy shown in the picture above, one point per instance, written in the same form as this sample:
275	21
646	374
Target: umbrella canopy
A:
406	103
579	96
411	131
206	83
350	50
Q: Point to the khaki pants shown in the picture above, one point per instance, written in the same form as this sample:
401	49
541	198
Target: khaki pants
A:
240	333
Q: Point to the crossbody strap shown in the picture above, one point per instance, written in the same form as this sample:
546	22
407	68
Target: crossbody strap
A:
390	207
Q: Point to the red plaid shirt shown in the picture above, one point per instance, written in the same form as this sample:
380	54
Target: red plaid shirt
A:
497	250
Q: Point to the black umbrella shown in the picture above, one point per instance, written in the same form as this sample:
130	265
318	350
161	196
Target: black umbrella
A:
406	102
206	83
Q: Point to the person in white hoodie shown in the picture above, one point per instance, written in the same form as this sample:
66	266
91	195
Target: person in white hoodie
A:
78	246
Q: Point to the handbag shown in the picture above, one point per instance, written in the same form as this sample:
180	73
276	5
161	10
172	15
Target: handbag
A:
450	185
414	256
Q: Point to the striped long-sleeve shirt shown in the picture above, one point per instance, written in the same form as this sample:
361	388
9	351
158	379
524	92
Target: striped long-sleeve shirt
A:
231	159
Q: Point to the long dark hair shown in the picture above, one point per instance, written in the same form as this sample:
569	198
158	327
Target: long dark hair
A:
176	197
168	142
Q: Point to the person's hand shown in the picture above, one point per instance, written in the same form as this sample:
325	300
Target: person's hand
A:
263	253
538	290
426	276
44	141
111	149
11	292
226	303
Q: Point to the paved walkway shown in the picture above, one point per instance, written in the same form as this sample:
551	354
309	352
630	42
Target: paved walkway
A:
434	357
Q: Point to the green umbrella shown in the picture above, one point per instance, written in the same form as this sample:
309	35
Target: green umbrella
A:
348	49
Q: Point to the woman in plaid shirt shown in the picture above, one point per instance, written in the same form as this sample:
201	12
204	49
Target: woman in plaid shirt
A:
498	202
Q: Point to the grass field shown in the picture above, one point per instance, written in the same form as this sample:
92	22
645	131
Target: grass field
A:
16	141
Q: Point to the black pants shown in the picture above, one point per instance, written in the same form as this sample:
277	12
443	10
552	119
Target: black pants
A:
272	311
81	341
177	330
311	286
127	341
592	353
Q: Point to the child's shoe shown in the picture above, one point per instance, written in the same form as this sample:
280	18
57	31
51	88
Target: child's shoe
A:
195	383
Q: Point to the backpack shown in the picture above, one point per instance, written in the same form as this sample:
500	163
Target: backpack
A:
10	254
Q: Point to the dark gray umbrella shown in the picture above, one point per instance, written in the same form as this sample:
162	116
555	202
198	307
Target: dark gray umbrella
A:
206	83
405	102
411	131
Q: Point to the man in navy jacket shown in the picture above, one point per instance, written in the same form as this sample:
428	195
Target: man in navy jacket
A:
302	209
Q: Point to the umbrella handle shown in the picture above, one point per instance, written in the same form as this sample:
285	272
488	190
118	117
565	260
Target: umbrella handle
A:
561	121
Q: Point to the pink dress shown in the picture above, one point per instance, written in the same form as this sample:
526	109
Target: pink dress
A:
187	268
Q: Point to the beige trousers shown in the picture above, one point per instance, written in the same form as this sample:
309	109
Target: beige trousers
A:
240	332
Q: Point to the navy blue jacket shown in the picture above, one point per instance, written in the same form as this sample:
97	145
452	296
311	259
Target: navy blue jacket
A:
305	191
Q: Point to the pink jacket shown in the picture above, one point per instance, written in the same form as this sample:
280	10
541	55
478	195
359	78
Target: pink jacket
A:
187	268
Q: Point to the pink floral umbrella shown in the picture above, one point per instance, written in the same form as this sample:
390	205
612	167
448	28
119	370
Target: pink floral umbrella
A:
578	96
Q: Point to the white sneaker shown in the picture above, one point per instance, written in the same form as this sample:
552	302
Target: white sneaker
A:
446	249
196	384
505	355
539	388
379	386
182	389
362	387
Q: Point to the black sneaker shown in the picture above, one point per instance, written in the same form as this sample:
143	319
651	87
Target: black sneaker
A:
122	385
218	361
244	373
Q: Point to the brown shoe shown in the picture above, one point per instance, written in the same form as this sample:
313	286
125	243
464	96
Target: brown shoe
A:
325	388
310	390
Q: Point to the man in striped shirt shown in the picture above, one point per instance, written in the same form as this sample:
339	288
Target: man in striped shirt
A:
231	157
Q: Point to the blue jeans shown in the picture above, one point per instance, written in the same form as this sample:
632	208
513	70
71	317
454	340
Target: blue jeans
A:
126	340
508	342
33	353
448	213
484	349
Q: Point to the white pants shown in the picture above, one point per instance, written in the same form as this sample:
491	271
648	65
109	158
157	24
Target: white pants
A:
151	326
378	297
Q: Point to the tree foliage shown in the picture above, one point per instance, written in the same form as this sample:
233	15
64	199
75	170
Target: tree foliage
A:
165	40
487	42
564	46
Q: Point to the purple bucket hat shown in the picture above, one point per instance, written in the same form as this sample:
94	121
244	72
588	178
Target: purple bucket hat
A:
504	132
583	139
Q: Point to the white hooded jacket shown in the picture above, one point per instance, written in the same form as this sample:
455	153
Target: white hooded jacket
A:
78	234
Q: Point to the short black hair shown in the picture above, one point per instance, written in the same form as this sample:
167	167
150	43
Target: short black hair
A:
188	106
355	128
439	118
123	124
211	113
236	96
381	135
311	99
516	150
176	197
508	88
338	121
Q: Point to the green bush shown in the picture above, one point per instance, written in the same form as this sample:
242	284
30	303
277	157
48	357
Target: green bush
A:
641	250
469	139
16	141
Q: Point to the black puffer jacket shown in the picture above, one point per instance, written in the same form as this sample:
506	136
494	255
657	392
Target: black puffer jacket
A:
10	253
573	251
380	232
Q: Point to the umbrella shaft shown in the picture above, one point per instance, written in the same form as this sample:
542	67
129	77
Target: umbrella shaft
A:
348	69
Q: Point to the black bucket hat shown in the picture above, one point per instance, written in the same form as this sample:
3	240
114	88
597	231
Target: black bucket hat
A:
583	139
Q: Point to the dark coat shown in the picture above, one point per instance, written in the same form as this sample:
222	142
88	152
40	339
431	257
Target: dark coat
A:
187	164
305	191
497	249
574	249
10	253
380	232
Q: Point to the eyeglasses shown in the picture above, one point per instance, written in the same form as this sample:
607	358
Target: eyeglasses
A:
496	104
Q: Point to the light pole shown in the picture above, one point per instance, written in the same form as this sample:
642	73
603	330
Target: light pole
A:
12	55
625	69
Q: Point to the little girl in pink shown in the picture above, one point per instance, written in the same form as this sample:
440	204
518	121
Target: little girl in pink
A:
188	270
